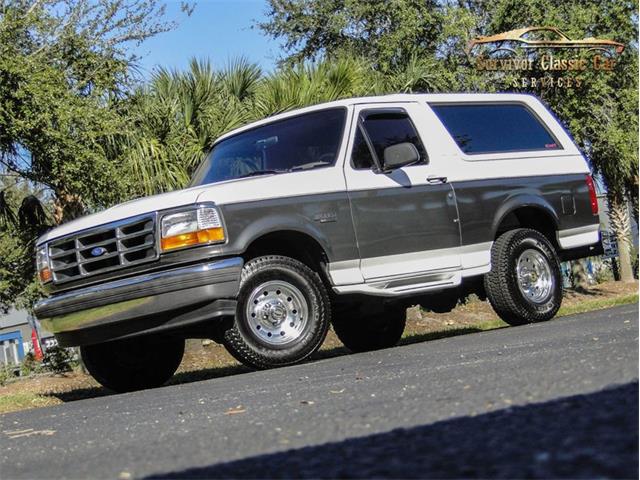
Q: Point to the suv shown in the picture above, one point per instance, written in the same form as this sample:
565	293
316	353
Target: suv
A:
343	213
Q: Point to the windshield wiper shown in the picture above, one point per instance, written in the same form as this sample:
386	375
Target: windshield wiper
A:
262	172
307	166
296	168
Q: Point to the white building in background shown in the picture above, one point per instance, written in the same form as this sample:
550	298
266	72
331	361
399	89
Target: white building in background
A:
15	337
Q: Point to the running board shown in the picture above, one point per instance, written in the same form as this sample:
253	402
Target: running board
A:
400	286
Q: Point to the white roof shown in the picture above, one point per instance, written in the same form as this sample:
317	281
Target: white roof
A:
13	318
393	98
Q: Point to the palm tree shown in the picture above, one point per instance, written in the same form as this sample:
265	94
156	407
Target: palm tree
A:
311	83
178	115
176	118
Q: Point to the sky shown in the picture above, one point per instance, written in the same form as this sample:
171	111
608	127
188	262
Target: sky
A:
218	30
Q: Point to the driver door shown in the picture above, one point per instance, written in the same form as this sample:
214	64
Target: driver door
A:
406	221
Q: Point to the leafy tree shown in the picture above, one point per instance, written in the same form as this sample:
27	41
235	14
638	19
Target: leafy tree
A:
22	219
65	75
381	31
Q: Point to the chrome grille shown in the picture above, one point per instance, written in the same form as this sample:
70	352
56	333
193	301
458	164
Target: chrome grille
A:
103	249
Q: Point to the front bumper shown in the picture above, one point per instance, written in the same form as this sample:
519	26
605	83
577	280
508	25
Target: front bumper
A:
146	303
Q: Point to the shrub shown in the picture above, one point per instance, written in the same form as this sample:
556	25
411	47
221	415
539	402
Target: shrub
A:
603	271
5	374
470	298
58	360
30	365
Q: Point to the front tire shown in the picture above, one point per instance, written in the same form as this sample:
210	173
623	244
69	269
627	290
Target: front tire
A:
283	313
133	364
525	281
371	332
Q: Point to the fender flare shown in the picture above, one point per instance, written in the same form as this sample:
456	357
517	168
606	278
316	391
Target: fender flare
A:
523	201
281	223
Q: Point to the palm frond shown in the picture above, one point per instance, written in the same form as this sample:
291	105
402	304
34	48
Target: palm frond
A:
31	214
240	78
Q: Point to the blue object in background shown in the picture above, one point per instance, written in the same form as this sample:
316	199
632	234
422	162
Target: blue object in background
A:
14	338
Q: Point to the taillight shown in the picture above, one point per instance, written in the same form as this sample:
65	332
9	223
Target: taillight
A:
593	198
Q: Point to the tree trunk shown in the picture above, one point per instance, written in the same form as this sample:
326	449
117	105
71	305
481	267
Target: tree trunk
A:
67	206
621	225
633	197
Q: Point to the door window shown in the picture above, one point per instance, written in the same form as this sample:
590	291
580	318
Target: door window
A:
383	128
361	157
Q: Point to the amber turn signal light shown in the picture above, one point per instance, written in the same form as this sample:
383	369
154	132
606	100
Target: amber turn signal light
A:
45	275
193	238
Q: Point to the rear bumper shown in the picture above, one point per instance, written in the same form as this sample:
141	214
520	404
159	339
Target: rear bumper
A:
580	242
579	237
142	304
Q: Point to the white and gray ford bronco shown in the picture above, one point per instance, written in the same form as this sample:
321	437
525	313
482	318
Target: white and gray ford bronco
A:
342	213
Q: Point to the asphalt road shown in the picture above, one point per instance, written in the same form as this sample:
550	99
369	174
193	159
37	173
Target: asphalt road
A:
558	399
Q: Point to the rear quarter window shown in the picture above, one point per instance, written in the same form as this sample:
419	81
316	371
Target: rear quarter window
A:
496	128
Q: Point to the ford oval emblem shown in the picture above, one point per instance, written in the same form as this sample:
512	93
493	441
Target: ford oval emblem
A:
98	251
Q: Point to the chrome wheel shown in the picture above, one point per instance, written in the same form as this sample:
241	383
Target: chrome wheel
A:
277	312
535	279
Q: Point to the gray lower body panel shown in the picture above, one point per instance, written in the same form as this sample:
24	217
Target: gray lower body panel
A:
483	203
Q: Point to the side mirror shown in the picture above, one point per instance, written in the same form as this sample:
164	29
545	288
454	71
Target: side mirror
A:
400	155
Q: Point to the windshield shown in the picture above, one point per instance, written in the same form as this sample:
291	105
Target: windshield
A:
298	143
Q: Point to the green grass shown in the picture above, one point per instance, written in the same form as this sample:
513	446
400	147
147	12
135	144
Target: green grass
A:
582	307
598	304
12	402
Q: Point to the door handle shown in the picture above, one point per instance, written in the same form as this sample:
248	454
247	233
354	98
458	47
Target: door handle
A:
436	179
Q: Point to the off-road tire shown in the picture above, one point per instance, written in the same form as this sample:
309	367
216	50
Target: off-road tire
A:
370	332
245	346
501	283
133	364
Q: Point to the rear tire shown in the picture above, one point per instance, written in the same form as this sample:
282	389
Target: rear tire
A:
525	281
133	364
372	332
283	313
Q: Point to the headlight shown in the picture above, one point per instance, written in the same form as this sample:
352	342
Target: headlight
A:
42	264
191	227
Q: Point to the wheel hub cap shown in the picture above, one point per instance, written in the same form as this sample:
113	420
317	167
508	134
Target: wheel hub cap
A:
535	279
277	312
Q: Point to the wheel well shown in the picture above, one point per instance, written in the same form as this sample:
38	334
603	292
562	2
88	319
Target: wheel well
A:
529	217
300	246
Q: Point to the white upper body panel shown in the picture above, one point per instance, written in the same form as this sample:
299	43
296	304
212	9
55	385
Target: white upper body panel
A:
445	158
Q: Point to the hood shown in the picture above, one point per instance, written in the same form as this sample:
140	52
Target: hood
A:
125	210
253	189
